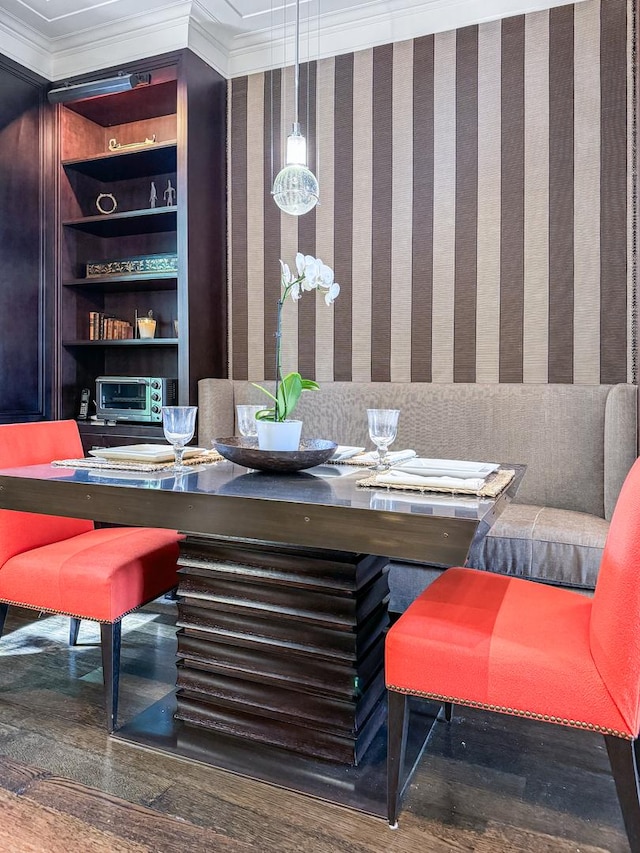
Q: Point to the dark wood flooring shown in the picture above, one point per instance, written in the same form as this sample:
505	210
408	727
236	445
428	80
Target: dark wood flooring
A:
488	783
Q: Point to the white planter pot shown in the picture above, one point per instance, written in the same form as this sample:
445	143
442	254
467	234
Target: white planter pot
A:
279	435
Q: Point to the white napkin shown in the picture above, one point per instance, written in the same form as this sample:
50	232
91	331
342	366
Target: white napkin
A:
344	451
392	457
398	477
447	468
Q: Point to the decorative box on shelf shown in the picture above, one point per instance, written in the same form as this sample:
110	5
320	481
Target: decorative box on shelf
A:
131	266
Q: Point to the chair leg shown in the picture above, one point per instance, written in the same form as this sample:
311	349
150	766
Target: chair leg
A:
4	609
74	627
448	711
110	641
396	742
623	757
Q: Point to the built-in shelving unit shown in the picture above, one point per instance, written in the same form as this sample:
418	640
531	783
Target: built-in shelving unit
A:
167	200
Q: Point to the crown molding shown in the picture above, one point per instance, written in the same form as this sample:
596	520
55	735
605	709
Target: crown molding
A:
121	42
216	38
25	46
205	43
353	29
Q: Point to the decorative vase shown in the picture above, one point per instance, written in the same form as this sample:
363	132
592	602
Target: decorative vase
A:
279	435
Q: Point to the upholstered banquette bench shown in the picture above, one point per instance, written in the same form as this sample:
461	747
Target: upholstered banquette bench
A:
577	441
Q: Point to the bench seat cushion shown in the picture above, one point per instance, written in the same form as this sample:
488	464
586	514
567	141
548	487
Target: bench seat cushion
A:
541	543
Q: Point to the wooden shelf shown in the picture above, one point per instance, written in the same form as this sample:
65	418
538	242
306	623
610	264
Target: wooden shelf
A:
130	342
150	160
151	220
126	283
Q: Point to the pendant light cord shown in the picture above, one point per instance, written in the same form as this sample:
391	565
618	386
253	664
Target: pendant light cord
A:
271	63
296	67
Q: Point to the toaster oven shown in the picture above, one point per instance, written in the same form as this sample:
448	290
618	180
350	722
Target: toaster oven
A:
134	398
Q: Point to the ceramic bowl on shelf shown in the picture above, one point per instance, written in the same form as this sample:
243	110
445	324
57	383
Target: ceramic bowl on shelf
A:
245	451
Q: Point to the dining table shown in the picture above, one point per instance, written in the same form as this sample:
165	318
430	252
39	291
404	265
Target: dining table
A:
282	609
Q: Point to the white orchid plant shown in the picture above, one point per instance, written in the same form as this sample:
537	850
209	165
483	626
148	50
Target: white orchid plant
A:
312	274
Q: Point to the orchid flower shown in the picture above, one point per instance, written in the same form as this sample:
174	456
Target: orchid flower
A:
310	274
285	274
326	276
332	294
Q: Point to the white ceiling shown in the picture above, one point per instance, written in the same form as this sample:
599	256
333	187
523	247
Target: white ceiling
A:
61	38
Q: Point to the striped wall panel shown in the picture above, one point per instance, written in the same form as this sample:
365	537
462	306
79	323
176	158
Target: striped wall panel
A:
476	205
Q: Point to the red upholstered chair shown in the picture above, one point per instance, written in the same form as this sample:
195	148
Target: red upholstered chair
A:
64	565
517	647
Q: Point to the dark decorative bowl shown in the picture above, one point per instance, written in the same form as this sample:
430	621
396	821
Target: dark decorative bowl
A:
245	451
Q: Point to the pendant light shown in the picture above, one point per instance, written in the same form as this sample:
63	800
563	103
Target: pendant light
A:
295	189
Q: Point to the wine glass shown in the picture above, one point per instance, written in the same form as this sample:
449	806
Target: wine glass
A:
383	425
246	420
179	423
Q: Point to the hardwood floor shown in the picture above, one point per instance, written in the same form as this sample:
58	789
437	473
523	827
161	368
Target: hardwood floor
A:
488	783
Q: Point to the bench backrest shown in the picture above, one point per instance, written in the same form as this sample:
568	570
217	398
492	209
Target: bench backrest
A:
578	441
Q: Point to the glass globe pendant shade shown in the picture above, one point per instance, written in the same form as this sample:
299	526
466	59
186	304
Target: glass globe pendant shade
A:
295	190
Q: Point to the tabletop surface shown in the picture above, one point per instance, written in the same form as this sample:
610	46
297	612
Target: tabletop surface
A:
327	485
314	508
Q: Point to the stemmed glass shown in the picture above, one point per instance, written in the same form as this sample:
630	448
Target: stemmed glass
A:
246	420
179	423
383	426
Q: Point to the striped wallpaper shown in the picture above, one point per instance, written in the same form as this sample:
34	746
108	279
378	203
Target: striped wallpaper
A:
476	205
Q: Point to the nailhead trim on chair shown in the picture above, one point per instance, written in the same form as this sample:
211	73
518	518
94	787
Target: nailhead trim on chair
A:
516	712
11	601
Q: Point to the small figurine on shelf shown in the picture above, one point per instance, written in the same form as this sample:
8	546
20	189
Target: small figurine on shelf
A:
114	145
170	194
106	203
153	196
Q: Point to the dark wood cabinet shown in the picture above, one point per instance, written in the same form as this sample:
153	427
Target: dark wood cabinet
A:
26	247
99	435
165	198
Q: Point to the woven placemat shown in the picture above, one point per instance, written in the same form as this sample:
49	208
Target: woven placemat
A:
491	488
205	458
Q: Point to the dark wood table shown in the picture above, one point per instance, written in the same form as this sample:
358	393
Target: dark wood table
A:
282	609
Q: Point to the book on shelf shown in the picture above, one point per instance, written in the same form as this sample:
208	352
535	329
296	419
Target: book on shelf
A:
104	327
